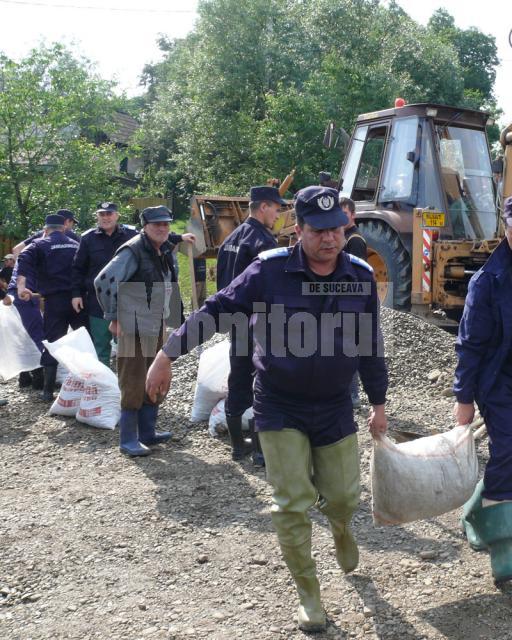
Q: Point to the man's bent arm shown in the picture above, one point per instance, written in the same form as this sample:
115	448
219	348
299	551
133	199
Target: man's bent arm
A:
372	368
237	297
120	269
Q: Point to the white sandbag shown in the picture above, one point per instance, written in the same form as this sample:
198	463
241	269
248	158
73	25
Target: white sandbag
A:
19	352
422	478
212	380
217	423
100	405
68	400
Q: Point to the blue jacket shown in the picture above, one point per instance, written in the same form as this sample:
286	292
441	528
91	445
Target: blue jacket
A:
48	261
485	331
96	250
308	386
240	248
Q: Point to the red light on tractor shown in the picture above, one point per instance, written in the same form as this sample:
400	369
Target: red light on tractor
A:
399	102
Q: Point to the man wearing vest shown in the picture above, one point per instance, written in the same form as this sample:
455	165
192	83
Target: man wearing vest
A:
138	293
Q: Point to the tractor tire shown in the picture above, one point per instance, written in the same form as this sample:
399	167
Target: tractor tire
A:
391	263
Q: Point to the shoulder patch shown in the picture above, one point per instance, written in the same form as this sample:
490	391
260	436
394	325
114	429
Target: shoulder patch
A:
360	262
278	252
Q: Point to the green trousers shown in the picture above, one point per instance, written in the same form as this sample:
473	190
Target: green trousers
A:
302	476
101	338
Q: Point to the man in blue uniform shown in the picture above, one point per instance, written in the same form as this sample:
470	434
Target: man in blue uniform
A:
235	254
484	375
314	314
69	223
97	248
47	261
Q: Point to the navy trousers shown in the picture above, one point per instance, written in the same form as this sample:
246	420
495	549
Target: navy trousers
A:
59	315
497	413
31	319
240	383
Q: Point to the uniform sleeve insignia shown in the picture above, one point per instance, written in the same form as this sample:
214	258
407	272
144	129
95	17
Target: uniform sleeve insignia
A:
279	252
360	262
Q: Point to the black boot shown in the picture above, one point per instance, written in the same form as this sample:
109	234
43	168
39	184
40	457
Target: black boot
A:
238	444
50	374
257	454
37	379
24	379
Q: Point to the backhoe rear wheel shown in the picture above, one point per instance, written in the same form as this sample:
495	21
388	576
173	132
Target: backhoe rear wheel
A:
391	264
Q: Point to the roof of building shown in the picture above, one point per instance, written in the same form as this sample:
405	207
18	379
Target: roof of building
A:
124	128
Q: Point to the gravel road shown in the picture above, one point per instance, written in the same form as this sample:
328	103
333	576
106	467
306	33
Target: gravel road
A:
180	544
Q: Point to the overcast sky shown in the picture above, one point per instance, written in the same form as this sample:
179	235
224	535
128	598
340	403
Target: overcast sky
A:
120	35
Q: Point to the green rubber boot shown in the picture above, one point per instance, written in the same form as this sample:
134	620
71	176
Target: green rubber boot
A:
288	463
494	527
336	476
473	504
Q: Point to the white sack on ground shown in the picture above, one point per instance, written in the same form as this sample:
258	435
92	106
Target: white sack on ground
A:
422	478
100	405
72	389
217	423
212	380
19	352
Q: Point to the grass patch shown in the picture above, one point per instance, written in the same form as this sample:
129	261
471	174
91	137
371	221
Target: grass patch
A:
180	226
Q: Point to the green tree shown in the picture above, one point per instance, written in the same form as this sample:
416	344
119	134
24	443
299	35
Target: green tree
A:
53	112
476	52
247	95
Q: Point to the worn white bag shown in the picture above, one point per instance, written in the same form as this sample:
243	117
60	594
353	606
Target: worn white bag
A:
212	380
19	352
217	423
100	404
422	478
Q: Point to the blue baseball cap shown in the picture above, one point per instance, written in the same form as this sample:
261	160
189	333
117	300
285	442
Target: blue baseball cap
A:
271	194
54	219
107	206
66	214
319	207
155	214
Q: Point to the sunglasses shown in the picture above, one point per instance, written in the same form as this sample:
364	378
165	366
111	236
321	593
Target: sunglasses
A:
105	213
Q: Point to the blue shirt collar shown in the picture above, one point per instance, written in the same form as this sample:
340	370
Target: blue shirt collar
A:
297	261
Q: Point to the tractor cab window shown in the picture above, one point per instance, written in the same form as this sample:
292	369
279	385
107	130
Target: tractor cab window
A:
403	156
367	178
352	162
467	181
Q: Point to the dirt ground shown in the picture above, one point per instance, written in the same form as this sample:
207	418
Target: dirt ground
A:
180	544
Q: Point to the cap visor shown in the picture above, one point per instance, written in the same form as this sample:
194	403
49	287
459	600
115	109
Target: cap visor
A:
333	219
160	219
